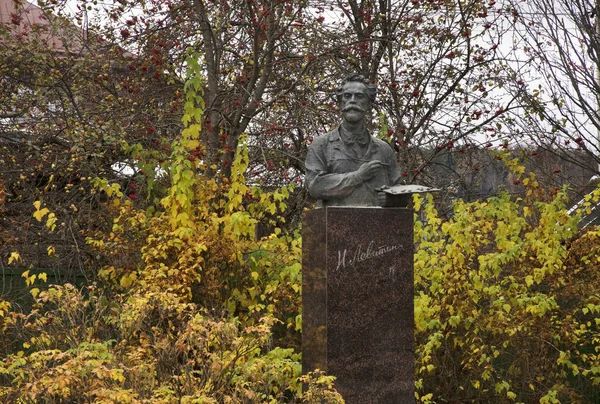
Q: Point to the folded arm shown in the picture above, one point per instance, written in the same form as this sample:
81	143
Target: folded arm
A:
324	185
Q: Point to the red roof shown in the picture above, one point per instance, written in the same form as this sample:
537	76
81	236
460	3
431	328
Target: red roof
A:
21	17
28	13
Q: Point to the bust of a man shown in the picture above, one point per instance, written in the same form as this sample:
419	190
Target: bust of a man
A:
346	166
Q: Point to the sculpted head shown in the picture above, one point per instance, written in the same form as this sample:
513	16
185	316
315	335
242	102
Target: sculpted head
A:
355	97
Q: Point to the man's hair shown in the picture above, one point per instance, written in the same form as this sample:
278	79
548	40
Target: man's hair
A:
371	90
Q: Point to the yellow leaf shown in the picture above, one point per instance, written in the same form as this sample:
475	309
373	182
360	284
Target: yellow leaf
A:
39	214
117	375
191	144
34	292
427	397
47	187
417	202
4	307
127	280
43	277
529	280
30	279
51	222
14	257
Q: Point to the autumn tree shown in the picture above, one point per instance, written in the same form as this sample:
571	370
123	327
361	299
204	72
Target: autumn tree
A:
559	64
74	104
271	69
441	76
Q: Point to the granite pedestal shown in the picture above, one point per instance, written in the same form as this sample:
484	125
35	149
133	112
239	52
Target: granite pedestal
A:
357	291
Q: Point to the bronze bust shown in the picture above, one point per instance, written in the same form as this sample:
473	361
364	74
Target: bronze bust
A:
347	166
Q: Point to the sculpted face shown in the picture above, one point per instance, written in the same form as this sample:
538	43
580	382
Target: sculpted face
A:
355	102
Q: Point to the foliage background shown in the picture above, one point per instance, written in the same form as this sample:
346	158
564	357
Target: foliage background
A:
191	263
505	302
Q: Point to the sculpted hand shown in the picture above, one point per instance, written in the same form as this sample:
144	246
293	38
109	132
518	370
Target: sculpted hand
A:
369	170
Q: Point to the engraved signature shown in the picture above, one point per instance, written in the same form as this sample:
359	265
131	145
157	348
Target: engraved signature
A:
346	258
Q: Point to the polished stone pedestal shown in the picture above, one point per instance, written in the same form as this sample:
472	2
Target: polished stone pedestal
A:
357	291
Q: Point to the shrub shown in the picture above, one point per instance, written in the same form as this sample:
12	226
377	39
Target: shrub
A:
506	301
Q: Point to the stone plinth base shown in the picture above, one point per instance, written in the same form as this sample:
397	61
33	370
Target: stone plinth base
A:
357	291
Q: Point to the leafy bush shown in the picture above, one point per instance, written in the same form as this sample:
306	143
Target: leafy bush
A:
191	308
147	347
506	301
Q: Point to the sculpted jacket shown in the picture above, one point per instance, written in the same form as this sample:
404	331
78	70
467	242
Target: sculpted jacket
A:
331	171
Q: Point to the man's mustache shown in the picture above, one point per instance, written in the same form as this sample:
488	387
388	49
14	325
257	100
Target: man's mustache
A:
353	107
